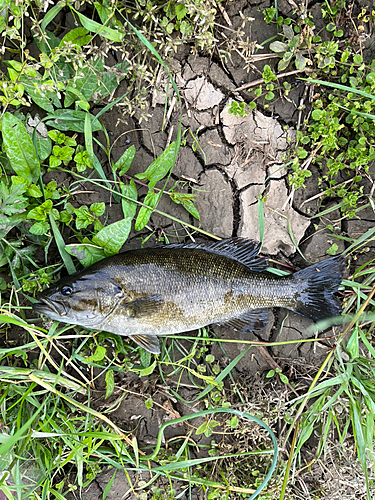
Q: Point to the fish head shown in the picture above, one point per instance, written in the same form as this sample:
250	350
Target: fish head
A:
85	299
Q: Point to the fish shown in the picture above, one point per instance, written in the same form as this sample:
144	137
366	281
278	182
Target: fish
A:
175	288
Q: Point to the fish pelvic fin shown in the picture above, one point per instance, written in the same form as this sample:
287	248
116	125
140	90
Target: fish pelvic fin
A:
250	321
318	284
148	342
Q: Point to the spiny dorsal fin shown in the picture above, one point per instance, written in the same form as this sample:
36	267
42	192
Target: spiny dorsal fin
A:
241	249
148	342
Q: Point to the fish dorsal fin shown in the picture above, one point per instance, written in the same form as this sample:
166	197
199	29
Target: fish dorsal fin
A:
241	249
145	306
148	342
250	321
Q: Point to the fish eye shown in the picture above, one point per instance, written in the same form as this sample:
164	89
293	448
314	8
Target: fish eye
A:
66	290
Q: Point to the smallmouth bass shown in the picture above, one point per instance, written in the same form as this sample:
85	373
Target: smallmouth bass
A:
176	288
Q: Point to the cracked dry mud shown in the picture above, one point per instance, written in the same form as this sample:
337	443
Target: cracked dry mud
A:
238	161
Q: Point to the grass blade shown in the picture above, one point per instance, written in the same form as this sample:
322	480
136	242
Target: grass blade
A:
221	410
261	222
223	374
68	262
338	86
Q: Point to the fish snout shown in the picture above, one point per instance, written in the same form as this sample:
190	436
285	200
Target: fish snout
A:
49	308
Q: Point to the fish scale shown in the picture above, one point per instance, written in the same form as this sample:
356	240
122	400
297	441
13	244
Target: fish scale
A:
182	287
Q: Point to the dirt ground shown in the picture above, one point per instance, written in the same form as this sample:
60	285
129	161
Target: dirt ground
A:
237	161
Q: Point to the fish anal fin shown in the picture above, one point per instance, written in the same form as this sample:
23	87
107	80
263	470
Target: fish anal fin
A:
145	306
250	321
148	342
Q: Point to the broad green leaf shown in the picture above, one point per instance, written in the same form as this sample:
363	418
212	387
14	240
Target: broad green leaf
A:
83	217
149	403
112	237
234	422
97	208
42	98
181	11
12	200
44	146
8	223
82	102
62	73
145	357
300	61
56	136
317	114
69	119
285	61
129	208
278	46
47	43
3	284
123	164
109	82
99	29
20	149
98	355
110	383
102	11
86	80
186	201
86	253
147	371
54	161
15	64
82	160
288	31
40	228
202	428
50	15
78	36
93	78
69	141
13	75
161	166
144	214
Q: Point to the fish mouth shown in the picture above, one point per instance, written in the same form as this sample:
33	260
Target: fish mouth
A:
49	307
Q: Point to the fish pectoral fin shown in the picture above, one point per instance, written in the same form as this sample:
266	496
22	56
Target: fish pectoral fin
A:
144	306
250	321
148	342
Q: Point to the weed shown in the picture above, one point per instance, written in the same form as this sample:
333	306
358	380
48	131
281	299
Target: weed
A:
339	135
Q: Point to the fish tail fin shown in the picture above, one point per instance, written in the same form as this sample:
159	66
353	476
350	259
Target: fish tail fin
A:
318	284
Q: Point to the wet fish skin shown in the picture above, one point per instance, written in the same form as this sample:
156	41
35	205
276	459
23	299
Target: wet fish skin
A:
178	288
